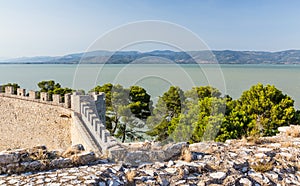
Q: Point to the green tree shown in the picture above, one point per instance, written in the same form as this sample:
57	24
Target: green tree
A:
119	99
106	88
201	122
127	110
53	88
261	110
62	92
197	93
140	103
48	86
234	125
296	119
169	106
202	117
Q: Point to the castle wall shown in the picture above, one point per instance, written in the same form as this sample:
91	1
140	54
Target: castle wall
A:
87	107
25	123
80	135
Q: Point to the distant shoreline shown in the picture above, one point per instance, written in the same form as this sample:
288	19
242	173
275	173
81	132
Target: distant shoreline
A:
247	64
289	57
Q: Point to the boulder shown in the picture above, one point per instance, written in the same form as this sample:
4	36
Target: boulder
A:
173	151
8	158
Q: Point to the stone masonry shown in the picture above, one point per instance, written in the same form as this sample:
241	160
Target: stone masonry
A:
56	123
25	124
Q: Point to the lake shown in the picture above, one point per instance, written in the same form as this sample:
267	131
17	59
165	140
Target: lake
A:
156	78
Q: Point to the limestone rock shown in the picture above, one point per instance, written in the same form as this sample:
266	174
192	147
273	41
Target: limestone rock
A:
75	149
220	164
84	158
174	151
9	158
245	181
218	175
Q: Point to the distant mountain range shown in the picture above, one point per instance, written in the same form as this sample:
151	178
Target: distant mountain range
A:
166	56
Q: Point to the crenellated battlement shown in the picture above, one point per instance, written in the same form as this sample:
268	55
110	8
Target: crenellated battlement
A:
88	116
90	108
33	96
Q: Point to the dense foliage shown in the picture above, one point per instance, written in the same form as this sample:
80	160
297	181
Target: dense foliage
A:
201	114
127	110
53	88
169	106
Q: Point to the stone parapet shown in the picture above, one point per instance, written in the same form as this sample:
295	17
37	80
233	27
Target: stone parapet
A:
89	107
34	96
21	92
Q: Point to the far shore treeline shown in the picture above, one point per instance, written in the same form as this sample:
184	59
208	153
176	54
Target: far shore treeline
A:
155	57
199	114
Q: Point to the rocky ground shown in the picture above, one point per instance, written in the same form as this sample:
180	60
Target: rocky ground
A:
255	161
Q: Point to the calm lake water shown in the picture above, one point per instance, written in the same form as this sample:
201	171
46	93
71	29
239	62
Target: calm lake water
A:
156	79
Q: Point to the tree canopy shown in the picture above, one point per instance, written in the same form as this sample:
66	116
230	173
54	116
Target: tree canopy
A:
266	108
202	114
53	88
169	106
127	110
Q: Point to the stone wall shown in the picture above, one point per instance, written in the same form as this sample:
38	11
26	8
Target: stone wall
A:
57	124
25	123
39	158
87	109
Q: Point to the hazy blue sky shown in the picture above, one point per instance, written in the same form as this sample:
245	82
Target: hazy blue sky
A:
56	27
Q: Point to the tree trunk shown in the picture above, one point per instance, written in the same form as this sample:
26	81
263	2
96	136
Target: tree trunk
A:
124	134
116	124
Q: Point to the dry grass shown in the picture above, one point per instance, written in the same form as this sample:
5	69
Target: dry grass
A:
186	155
70	152
254	139
39	155
244	140
287	144
262	167
294	131
76	160
181	173
130	176
297	166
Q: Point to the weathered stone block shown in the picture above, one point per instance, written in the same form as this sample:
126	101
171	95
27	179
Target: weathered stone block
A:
173	151
35	165
9	158
9	90
158	156
68	100
21	92
56	98
137	157
32	94
60	163
86	157
199	147
12	168
44	96
116	153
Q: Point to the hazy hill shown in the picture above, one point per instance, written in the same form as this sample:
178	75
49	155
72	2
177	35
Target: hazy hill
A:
158	56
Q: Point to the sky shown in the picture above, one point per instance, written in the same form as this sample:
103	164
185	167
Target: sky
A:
55	28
